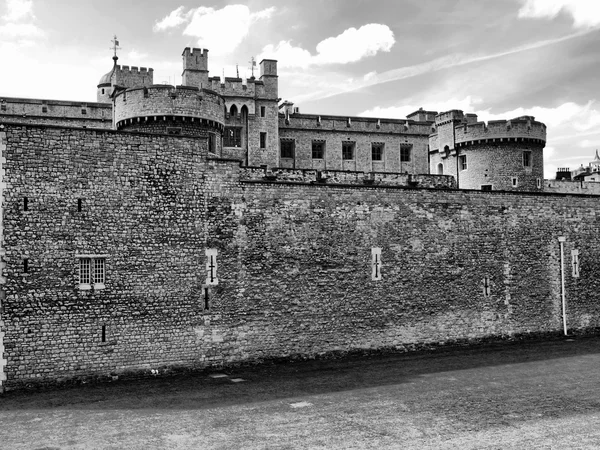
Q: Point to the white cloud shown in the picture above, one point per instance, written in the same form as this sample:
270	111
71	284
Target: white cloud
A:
135	57
219	30
17	10
467	104
585	13
20	31
353	45
350	46
172	20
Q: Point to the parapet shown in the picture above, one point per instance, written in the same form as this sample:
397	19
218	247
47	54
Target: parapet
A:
454	115
167	100
294	120
134	69
524	127
422	116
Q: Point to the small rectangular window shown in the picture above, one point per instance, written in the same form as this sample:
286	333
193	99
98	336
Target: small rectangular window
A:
44	109
462	162
377	151
526	158
486	187
25	265
487	289
263	111
376	264
83	111
515	182
539	183
287	148
263	139
211	143
348	150
25	204
575	263
318	149
405	153
79	204
92	272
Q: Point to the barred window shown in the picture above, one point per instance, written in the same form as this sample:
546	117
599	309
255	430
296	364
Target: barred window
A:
526	159
377	151
405	153
347	150
318	149
462	161
92	272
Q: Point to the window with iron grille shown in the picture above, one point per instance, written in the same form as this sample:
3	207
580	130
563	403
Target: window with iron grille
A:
92	272
287	148
405	153
232	137
318	149
347	150
377	151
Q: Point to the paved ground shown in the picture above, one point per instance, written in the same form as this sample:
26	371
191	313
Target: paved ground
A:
516	396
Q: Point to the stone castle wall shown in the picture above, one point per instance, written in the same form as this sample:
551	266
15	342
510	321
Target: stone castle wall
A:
142	206
572	187
294	259
55	112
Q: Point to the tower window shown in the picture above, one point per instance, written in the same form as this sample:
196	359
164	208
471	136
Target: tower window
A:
263	139
287	148
44	109
263	111
348	150
527	159
377	151
102	91
318	149
462	162
515	181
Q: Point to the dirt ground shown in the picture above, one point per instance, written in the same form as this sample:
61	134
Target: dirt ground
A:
543	395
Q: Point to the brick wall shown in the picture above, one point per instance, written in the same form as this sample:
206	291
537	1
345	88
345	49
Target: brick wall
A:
572	187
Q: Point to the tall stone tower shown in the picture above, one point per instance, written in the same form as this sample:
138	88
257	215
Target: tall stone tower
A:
195	67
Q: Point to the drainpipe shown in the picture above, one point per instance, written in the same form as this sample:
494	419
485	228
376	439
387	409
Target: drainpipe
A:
561	240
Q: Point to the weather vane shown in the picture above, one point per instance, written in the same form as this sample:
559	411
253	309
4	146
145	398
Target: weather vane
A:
115	46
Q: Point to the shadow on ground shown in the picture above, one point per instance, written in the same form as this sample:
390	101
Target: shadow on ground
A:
273	381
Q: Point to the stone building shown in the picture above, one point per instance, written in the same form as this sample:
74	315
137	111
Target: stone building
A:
203	225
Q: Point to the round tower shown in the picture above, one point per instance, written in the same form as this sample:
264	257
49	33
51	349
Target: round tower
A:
105	84
500	155
166	109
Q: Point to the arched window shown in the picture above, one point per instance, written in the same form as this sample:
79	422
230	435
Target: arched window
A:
233	111
440	169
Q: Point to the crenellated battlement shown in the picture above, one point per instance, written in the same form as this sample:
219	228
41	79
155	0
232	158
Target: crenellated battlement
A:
168	101
134	69
520	128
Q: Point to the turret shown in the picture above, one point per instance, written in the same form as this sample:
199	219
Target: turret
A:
268	75
195	67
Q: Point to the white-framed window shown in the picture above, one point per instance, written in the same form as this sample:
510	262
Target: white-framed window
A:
487	287
92	271
539	183
348	150
515	182
462	162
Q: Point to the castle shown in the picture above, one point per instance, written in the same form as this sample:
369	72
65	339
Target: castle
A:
210	223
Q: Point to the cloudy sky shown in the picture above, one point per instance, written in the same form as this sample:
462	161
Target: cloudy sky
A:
381	58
